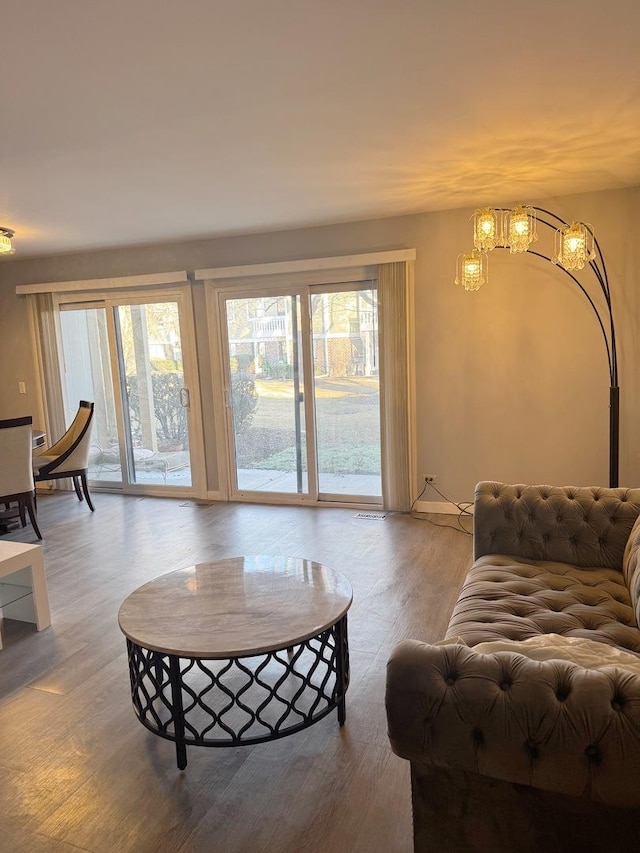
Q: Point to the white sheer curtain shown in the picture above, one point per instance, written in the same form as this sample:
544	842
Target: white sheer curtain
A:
43	324
395	297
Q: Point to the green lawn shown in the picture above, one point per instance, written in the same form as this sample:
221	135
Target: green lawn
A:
360	459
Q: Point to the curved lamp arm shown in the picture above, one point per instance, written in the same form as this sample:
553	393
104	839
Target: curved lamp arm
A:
599	269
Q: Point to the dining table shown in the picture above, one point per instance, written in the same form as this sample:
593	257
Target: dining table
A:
38	438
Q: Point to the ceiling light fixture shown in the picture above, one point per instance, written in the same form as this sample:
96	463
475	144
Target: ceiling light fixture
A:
5	241
576	247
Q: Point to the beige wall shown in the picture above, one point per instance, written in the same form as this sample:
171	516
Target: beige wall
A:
511	381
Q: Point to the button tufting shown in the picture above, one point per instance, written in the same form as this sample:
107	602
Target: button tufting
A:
593	753
505	685
562	694
450	679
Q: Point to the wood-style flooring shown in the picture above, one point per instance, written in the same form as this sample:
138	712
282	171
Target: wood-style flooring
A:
78	771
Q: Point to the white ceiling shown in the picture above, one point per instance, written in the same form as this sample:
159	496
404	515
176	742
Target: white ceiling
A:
136	121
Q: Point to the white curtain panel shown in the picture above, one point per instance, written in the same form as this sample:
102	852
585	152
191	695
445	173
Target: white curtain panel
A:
43	323
395	296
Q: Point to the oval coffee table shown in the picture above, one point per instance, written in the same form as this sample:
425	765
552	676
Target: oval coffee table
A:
239	651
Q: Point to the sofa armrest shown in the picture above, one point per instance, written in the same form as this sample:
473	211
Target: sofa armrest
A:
551	725
583	526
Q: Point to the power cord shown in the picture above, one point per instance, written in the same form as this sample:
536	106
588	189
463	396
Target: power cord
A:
463	509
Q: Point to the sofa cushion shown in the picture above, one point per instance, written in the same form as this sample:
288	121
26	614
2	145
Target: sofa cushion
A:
585	653
631	567
588	654
511	598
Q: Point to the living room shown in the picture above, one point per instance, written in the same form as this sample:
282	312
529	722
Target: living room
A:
509	383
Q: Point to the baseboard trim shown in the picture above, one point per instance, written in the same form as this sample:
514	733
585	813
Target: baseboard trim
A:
441	507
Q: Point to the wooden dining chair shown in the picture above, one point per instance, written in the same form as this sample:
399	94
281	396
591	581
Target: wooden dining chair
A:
69	456
16	474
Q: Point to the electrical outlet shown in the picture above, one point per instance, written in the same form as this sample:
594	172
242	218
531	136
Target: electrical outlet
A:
429	478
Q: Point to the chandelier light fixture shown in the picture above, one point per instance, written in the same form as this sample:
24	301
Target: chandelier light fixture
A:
520	226
487	229
472	270
575	247
5	241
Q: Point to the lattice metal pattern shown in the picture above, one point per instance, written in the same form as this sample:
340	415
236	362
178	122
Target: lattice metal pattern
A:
241	700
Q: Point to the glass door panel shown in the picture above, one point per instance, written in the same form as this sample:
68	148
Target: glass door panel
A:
155	399
347	391
87	376
265	393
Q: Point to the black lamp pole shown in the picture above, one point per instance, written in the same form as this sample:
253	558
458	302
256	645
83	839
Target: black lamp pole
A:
607	327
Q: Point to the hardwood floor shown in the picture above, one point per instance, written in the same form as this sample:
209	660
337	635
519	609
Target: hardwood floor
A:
77	770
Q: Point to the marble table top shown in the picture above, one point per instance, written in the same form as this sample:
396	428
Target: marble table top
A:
235	607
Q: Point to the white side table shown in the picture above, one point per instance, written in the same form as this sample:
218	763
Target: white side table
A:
23	584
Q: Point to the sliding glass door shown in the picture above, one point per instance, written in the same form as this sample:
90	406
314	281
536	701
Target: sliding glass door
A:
128	356
346	391
302	392
86	375
155	397
264	394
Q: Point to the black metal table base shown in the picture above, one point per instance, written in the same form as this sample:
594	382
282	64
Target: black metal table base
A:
240	700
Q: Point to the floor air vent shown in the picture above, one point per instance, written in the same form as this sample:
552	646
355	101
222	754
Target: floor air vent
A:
373	516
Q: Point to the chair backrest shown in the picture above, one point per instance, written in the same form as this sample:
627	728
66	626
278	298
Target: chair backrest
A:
84	412
16	474
71	452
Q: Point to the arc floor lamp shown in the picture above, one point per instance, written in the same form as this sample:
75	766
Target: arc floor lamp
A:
575	247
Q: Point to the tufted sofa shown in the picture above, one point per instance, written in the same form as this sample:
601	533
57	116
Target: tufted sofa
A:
515	743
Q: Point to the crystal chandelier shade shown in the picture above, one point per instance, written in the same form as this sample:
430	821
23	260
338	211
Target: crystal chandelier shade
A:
520	228
574	246
471	271
487	229
5	241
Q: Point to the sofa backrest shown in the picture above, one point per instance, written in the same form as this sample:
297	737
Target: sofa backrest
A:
584	526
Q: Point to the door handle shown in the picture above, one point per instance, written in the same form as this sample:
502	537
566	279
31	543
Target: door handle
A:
184	398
